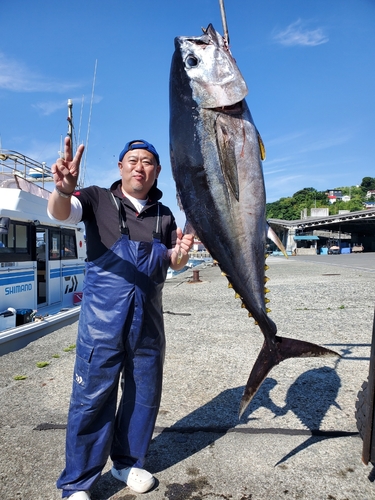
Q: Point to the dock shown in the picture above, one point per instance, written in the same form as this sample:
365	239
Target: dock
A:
298	438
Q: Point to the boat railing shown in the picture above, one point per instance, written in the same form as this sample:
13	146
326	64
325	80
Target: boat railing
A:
199	254
13	164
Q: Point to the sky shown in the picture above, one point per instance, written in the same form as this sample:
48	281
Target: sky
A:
309	66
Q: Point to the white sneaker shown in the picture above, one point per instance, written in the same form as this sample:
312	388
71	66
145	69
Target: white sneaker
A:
80	495
138	480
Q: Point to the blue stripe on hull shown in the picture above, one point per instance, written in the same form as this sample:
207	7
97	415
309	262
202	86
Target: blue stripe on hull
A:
16	278
66	271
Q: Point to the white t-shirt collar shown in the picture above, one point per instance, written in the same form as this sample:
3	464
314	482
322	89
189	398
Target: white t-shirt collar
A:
139	204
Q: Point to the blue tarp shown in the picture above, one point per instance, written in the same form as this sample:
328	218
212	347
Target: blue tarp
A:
306	237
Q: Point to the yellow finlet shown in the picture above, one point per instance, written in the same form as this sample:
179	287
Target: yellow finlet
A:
262	149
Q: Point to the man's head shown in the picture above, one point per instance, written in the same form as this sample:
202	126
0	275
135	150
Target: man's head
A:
139	144
139	167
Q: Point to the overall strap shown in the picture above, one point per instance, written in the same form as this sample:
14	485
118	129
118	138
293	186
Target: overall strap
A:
121	214
156	234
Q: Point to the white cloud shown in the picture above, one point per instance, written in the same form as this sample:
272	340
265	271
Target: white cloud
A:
17	77
319	144
48	107
298	34
291	148
43	151
282	139
298	161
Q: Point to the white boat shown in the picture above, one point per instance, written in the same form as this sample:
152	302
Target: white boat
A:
192	262
171	273
41	262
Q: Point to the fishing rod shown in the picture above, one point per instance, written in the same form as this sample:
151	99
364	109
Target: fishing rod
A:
83	171
70	125
224	21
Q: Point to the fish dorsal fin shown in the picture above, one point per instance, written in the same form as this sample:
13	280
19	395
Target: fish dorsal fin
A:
189	229
273	237
227	155
179	203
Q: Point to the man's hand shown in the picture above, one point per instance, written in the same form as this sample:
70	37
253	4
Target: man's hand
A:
66	170
180	253
65	175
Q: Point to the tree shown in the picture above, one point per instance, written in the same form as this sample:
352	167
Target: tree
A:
307	198
368	184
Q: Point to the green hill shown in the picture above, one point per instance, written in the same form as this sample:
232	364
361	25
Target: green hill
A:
290	208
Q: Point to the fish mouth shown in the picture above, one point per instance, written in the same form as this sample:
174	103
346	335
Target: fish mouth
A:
233	109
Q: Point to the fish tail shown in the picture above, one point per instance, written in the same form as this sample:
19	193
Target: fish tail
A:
271	354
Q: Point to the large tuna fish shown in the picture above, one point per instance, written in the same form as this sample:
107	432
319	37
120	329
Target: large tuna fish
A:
216	154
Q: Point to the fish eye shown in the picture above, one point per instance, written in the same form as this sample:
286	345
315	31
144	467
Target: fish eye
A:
191	61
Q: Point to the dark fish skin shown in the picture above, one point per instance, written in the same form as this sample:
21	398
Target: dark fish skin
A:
216	163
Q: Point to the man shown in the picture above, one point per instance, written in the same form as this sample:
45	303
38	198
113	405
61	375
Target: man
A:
131	239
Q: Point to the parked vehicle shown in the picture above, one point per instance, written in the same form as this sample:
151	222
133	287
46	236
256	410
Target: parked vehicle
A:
357	248
333	247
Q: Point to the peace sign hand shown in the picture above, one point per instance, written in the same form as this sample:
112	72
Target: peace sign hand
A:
66	170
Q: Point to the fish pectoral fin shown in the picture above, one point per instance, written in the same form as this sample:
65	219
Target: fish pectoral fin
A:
273	237
284	348
227	155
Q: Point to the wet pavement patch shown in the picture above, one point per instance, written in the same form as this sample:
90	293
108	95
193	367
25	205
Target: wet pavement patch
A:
191	490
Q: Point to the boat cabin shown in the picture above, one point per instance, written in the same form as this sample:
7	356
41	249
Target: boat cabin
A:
42	261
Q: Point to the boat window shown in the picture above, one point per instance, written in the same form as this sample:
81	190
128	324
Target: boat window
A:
54	245
6	245
15	246
3	242
62	244
21	239
69	247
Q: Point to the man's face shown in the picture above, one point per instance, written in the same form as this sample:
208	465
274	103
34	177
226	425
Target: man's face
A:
138	171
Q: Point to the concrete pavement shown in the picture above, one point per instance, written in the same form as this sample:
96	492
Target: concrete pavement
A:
297	439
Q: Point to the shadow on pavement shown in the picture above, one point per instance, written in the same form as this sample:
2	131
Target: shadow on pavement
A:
309	398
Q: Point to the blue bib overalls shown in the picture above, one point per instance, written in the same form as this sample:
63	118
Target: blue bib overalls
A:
120	330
